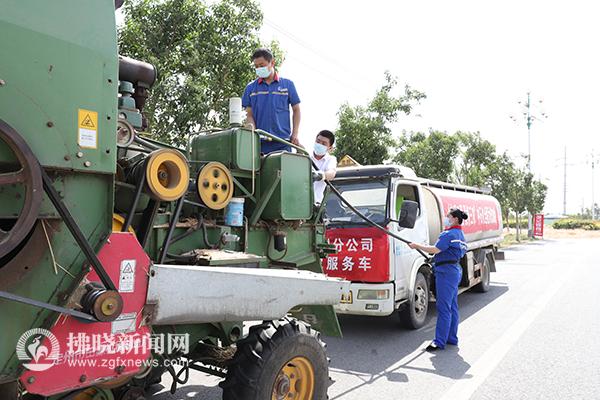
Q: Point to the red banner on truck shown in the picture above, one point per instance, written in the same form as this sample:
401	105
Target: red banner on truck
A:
484	213
362	255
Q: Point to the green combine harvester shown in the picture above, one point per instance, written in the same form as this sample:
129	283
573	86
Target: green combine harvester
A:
122	258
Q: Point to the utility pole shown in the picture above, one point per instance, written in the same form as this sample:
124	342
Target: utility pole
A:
528	105
565	184
593	203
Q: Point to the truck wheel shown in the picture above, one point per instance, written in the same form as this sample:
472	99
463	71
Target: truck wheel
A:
282	359
484	285
414	314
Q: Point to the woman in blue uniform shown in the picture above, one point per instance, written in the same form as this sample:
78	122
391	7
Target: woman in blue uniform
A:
448	250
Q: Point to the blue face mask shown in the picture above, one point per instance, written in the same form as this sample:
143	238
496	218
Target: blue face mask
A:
263	72
447	221
320	149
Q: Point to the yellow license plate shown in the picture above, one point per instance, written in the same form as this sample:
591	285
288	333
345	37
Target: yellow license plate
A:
346	298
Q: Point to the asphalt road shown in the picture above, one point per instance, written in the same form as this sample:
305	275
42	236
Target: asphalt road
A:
534	335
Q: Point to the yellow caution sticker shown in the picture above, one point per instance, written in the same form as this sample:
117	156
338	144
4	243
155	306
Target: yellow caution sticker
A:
87	129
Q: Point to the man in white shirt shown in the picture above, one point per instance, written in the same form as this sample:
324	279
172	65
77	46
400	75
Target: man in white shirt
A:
325	162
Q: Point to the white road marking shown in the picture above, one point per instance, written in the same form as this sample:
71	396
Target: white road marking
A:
485	365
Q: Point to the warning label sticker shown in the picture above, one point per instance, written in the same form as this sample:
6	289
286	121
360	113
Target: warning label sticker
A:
87	129
125	323
127	276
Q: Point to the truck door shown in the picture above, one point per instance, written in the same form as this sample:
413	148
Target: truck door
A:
402	256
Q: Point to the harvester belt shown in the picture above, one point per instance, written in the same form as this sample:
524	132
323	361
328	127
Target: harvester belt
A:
48	306
76	232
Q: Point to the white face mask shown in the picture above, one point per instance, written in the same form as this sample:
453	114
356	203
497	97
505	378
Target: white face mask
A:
263	72
320	149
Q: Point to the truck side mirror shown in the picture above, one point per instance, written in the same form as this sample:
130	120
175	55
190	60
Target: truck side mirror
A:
408	214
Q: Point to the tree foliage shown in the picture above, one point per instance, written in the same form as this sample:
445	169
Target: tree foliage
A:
501	179
461	157
537	196
364	133
475	157
468	159
202	52
429	155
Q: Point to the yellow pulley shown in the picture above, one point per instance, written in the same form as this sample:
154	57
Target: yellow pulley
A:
167	174
215	185
117	224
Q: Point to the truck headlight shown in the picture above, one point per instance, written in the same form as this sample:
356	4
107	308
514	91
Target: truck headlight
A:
369	294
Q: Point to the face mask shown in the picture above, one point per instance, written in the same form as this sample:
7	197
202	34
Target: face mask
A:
447	221
263	72
320	149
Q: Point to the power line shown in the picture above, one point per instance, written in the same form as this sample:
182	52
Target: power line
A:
345	85
309	47
299	41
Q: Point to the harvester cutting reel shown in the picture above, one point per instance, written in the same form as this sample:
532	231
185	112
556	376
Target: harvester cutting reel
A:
103	302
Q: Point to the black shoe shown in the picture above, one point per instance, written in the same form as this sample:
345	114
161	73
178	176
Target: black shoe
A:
432	347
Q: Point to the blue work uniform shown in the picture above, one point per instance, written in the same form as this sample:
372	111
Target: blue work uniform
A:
271	109
448	274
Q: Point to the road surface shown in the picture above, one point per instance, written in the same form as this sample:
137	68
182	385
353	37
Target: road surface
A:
534	335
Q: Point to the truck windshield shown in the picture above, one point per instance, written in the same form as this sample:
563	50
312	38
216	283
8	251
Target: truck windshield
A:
369	197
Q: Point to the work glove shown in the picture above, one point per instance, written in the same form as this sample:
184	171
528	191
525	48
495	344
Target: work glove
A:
318	176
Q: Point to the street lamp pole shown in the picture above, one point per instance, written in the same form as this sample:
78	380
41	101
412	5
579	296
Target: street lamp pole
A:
529	115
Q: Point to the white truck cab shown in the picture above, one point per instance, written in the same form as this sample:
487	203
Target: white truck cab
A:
385	274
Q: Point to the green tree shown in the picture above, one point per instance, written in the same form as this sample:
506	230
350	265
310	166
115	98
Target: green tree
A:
476	156
526	194
537	197
430	155
501	178
202	52
364	133
519	196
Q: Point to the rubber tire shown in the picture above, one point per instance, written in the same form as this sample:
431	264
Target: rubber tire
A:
484	285
261	355
408	315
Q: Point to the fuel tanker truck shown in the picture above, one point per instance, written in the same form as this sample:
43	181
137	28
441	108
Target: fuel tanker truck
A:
123	258
387	276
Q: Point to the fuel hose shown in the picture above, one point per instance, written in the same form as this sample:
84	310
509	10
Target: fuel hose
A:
339	195
367	220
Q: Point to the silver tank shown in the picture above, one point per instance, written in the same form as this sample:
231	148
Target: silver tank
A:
485	216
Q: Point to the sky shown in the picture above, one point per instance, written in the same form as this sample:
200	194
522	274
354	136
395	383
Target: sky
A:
475	60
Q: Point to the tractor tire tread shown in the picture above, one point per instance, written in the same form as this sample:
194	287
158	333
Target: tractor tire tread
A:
245	369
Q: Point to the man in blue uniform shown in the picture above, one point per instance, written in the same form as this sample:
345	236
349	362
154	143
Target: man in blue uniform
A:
267	101
448	250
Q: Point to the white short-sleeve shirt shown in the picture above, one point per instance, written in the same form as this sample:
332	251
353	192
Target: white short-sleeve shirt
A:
326	163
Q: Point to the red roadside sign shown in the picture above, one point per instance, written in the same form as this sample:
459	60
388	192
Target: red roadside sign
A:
538	225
